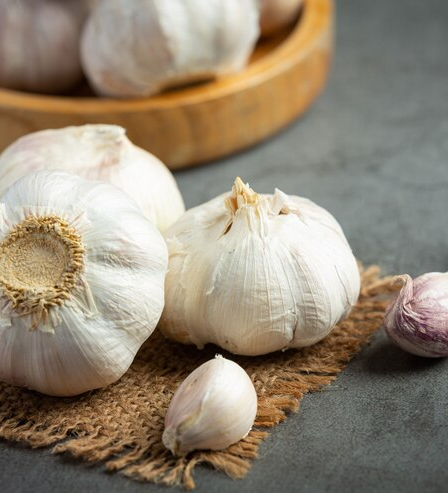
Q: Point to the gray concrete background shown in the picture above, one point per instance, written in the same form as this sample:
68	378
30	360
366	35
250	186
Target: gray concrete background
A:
374	151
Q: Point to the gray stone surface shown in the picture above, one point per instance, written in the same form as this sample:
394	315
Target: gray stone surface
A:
374	151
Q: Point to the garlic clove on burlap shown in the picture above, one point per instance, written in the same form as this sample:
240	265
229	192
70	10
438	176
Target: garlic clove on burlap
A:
39	44
81	283
140	47
214	407
275	14
98	152
257	273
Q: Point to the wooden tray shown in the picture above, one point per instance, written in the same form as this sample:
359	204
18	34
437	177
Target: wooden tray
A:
207	121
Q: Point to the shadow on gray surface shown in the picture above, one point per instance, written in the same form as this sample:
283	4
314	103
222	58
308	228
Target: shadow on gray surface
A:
386	358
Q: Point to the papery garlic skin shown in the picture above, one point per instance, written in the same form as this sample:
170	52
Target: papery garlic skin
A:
275	14
214	407
133	48
75	330
98	152
39	44
417	319
257	273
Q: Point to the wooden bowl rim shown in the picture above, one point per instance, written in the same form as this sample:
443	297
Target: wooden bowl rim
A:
314	14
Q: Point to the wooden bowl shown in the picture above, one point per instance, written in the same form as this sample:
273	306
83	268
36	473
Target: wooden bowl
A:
206	121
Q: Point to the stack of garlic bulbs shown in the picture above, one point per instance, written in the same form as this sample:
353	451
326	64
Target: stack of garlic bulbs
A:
85	277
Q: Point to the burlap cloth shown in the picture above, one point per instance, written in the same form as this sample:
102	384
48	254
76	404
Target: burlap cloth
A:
121	426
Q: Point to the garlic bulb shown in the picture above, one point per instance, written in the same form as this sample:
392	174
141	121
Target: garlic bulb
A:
81	283
257	273
39	44
98	152
417	320
275	14
214	407
139	47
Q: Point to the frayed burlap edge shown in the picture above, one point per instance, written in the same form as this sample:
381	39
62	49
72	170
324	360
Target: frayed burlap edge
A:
121	426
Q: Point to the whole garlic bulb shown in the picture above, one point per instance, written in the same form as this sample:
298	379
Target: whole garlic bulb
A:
257	273
139	47
39	44
98	152
275	14
214	407
81	283
417	320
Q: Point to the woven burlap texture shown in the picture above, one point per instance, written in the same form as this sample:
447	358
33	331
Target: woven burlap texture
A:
121	426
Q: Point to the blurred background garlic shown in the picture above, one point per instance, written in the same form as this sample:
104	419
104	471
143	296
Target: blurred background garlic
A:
81	283
39	44
257	273
275	14
98	152
214	407
139	47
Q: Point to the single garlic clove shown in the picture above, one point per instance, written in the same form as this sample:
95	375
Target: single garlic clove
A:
214	407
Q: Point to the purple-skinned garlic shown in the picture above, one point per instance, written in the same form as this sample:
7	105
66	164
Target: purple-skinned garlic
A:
417	320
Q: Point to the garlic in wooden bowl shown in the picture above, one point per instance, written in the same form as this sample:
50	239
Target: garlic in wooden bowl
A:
214	407
133	48
257	273
276	14
98	152
81	283
39	44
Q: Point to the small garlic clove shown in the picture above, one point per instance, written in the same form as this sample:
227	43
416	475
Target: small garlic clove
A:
214	407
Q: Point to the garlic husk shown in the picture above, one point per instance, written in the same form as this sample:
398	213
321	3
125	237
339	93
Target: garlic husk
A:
132	48
81	283
98	152
257	273
417	320
39	44
214	407
276	14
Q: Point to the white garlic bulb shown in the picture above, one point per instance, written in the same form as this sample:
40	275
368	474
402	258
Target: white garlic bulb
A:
275	14
98	152
139	47
39	44
257	273
81	283
214	407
